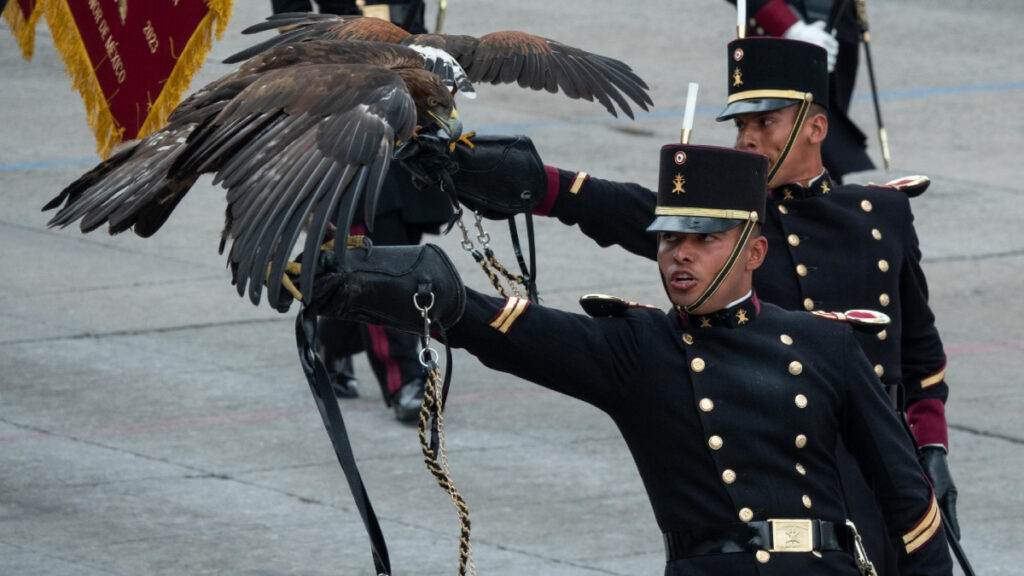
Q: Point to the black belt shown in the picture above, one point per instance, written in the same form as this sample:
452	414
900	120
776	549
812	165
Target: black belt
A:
796	535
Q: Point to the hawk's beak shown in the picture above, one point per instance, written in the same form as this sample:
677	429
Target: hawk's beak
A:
451	125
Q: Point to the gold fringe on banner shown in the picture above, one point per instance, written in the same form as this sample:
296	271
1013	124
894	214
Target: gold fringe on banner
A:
83	77
24	30
190	61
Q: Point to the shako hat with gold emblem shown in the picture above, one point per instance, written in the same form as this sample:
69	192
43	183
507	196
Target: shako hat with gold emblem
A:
704	189
771	73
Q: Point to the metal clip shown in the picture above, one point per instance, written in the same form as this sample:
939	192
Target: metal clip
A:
859	553
482	234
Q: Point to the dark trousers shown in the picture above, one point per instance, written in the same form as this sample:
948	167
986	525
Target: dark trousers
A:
393	355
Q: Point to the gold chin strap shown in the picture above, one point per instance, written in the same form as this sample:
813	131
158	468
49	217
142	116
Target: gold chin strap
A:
748	227
805	105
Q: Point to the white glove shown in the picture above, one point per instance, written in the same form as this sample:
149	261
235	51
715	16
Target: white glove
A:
815	34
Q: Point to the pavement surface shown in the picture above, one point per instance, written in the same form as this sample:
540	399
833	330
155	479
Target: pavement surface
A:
153	423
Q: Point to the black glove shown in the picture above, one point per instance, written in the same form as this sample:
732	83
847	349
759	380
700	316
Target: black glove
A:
933	460
379	284
499	176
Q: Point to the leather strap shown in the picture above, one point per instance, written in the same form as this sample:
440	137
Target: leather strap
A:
316	374
750	537
529	273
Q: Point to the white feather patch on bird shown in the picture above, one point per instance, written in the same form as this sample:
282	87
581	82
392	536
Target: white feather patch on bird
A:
447	68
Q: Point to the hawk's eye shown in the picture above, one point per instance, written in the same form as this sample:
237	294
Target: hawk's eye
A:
432	102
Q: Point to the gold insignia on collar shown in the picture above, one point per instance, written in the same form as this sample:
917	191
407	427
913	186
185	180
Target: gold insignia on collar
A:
787	194
824	187
741	316
705	322
737	77
677	184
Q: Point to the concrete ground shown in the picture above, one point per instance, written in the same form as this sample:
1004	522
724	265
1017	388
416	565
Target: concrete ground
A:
153	423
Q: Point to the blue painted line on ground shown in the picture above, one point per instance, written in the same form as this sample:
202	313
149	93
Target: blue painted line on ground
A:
656	115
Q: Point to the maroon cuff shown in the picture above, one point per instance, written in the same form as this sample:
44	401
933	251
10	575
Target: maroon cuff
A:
927	420
543	208
776	17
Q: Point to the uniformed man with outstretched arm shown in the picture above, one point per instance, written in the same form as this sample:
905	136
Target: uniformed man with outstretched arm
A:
731	407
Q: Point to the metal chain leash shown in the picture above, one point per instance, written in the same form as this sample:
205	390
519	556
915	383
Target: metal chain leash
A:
435	454
488	261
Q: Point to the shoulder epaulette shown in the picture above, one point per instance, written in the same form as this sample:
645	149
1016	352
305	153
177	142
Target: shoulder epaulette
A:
861	320
912	186
600	305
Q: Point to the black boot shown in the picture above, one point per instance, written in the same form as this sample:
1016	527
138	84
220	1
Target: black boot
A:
342	377
406	402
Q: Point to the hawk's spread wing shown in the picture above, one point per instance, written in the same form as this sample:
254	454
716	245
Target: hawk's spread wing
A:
508	57
309	124
294	139
539	63
301	142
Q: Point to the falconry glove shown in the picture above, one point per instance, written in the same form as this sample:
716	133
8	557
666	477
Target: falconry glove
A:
389	286
936	467
495	175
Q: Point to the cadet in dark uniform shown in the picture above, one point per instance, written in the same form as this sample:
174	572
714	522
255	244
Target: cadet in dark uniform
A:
809	21
730	406
832	247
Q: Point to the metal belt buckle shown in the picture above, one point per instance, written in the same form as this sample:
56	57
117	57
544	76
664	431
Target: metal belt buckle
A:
792	535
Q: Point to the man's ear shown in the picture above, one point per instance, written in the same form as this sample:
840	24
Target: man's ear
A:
817	128
758	251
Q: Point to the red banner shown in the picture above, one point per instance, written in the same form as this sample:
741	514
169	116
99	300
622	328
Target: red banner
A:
132	60
21	16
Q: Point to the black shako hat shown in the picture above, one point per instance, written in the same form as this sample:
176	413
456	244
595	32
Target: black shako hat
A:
704	189
771	73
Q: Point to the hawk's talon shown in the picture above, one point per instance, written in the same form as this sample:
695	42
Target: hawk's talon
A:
290	269
464	139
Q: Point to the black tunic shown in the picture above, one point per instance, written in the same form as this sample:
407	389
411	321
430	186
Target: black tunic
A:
831	247
734	421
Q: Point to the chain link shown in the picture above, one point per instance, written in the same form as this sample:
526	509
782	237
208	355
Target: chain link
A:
488	262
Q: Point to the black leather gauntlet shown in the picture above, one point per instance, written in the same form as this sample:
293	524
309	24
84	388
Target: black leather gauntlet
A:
500	176
388	286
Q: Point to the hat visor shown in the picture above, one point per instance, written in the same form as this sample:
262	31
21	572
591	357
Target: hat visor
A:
754	105
692	224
